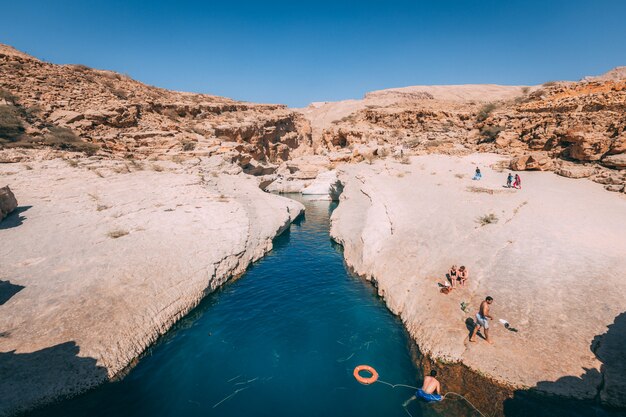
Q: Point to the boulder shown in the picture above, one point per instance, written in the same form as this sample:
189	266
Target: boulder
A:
505	138
575	171
617	188
322	185
532	162
618	145
65	116
8	202
587	146
615	161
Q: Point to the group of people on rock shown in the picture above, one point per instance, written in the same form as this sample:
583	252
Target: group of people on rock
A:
515	184
457	276
511	182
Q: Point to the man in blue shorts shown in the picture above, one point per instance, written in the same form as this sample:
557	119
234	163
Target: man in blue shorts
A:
482	320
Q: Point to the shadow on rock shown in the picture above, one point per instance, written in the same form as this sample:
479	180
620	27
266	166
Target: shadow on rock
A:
610	400
30	379
8	290
14	219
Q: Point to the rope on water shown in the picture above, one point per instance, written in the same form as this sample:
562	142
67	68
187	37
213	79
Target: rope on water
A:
397	385
445	395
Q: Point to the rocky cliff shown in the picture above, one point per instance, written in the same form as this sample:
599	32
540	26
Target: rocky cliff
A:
73	107
104	256
577	129
549	254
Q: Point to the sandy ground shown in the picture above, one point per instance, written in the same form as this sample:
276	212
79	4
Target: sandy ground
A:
99	260
553	262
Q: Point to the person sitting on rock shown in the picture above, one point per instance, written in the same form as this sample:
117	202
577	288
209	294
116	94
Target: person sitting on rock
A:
453	275
509	180
482	320
477	175
463	275
518	182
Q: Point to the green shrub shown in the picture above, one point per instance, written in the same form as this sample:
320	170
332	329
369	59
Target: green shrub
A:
489	133
485	111
81	67
7	96
487	219
64	138
11	127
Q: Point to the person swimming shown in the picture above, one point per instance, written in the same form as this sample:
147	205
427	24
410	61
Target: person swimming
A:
431	388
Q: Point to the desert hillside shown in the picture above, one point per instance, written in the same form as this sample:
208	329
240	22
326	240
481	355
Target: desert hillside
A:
73	107
576	129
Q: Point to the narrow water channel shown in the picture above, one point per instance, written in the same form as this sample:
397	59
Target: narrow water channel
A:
282	340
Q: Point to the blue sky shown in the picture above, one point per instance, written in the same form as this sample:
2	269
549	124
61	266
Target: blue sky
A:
295	52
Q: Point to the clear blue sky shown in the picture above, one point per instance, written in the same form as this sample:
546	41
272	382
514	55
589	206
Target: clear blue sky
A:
299	51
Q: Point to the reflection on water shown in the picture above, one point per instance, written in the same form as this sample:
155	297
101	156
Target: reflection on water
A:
280	341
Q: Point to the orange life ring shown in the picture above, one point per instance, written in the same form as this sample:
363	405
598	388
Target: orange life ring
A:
363	380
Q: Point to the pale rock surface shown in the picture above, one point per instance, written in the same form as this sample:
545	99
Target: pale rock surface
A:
108	255
322	185
553	262
615	161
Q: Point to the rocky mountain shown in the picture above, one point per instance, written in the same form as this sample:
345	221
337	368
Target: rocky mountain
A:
73	107
577	129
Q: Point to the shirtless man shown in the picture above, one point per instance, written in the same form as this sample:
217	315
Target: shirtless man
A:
482	320
463	275
431	385
430	391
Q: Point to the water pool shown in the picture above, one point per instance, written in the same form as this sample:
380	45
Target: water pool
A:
282	340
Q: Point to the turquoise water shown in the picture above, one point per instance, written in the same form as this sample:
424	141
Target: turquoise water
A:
282	340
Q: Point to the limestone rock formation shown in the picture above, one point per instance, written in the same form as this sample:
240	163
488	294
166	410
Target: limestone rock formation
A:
8	203
581	121
533	162
144	242
74	107
403	225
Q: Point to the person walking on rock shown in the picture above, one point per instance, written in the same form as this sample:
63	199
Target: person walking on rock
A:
518	182
482	320
509	180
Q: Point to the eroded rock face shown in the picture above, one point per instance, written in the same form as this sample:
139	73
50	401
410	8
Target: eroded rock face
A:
571	170
533	162
121	117
8	202
566	121
615	161
152	239
399	228
587	146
